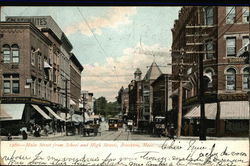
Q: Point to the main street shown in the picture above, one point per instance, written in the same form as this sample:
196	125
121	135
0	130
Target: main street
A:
105	135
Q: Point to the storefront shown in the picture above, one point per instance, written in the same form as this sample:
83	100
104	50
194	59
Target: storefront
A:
18	112
230	118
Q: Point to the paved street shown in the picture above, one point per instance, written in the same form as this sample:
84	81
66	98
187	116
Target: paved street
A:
105	135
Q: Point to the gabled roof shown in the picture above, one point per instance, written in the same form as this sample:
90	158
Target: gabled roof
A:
153	72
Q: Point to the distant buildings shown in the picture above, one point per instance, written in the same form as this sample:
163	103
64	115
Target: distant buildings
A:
87	102
39	75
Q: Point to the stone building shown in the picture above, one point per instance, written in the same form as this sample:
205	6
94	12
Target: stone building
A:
75	83
217	34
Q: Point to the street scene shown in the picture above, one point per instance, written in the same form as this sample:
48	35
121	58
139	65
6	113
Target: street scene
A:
124	73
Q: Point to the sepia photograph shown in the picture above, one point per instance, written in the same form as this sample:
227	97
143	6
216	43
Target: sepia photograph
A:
124	85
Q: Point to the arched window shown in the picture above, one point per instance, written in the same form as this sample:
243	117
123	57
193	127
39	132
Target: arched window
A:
15	53
231	79
6	53
246	78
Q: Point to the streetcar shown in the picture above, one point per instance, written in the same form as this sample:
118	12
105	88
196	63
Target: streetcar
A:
159	125
113	123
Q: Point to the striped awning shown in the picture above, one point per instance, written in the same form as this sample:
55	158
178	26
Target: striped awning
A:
54	114
41	111
234	110
210	112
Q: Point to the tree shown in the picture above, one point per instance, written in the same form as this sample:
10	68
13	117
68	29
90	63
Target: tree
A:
101	106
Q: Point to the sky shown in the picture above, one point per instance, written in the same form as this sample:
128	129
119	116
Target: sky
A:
111	42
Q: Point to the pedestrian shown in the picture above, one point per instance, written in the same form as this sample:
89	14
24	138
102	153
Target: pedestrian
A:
37	130
9	137
25	135
46	129
172	131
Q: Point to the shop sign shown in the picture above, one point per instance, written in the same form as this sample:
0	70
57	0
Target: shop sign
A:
237	60
23	100
233	97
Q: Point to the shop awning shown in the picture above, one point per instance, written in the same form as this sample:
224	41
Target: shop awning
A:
41	111
210	112
86	115
234	110
77	118
53	113
72	102
11	111
63	115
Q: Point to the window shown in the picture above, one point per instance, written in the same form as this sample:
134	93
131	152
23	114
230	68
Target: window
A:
230	79
15	53
209	20
245	40
6	85
209	48
39	87
6	53
230	12
11	83
32	57
33	90
246	78
39	60
245	16
231	46
10	54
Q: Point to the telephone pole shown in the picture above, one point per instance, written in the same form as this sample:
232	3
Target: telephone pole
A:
66	104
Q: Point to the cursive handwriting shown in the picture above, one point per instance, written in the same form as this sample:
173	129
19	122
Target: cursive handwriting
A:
168	154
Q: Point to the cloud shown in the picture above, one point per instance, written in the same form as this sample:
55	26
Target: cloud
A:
113	18
106	79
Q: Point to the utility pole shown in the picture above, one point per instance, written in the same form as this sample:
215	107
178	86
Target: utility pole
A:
166	99
66	104
179	121
201	92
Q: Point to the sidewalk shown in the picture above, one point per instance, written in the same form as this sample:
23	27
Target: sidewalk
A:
31	137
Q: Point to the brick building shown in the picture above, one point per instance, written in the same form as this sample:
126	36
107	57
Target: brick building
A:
135	97
218	34
34	73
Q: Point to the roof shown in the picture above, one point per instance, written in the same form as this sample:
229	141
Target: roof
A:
153	72
76	62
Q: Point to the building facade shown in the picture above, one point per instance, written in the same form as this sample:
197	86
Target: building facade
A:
216	34
135	97
33	73
123	101
162	103
152	74
75	83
